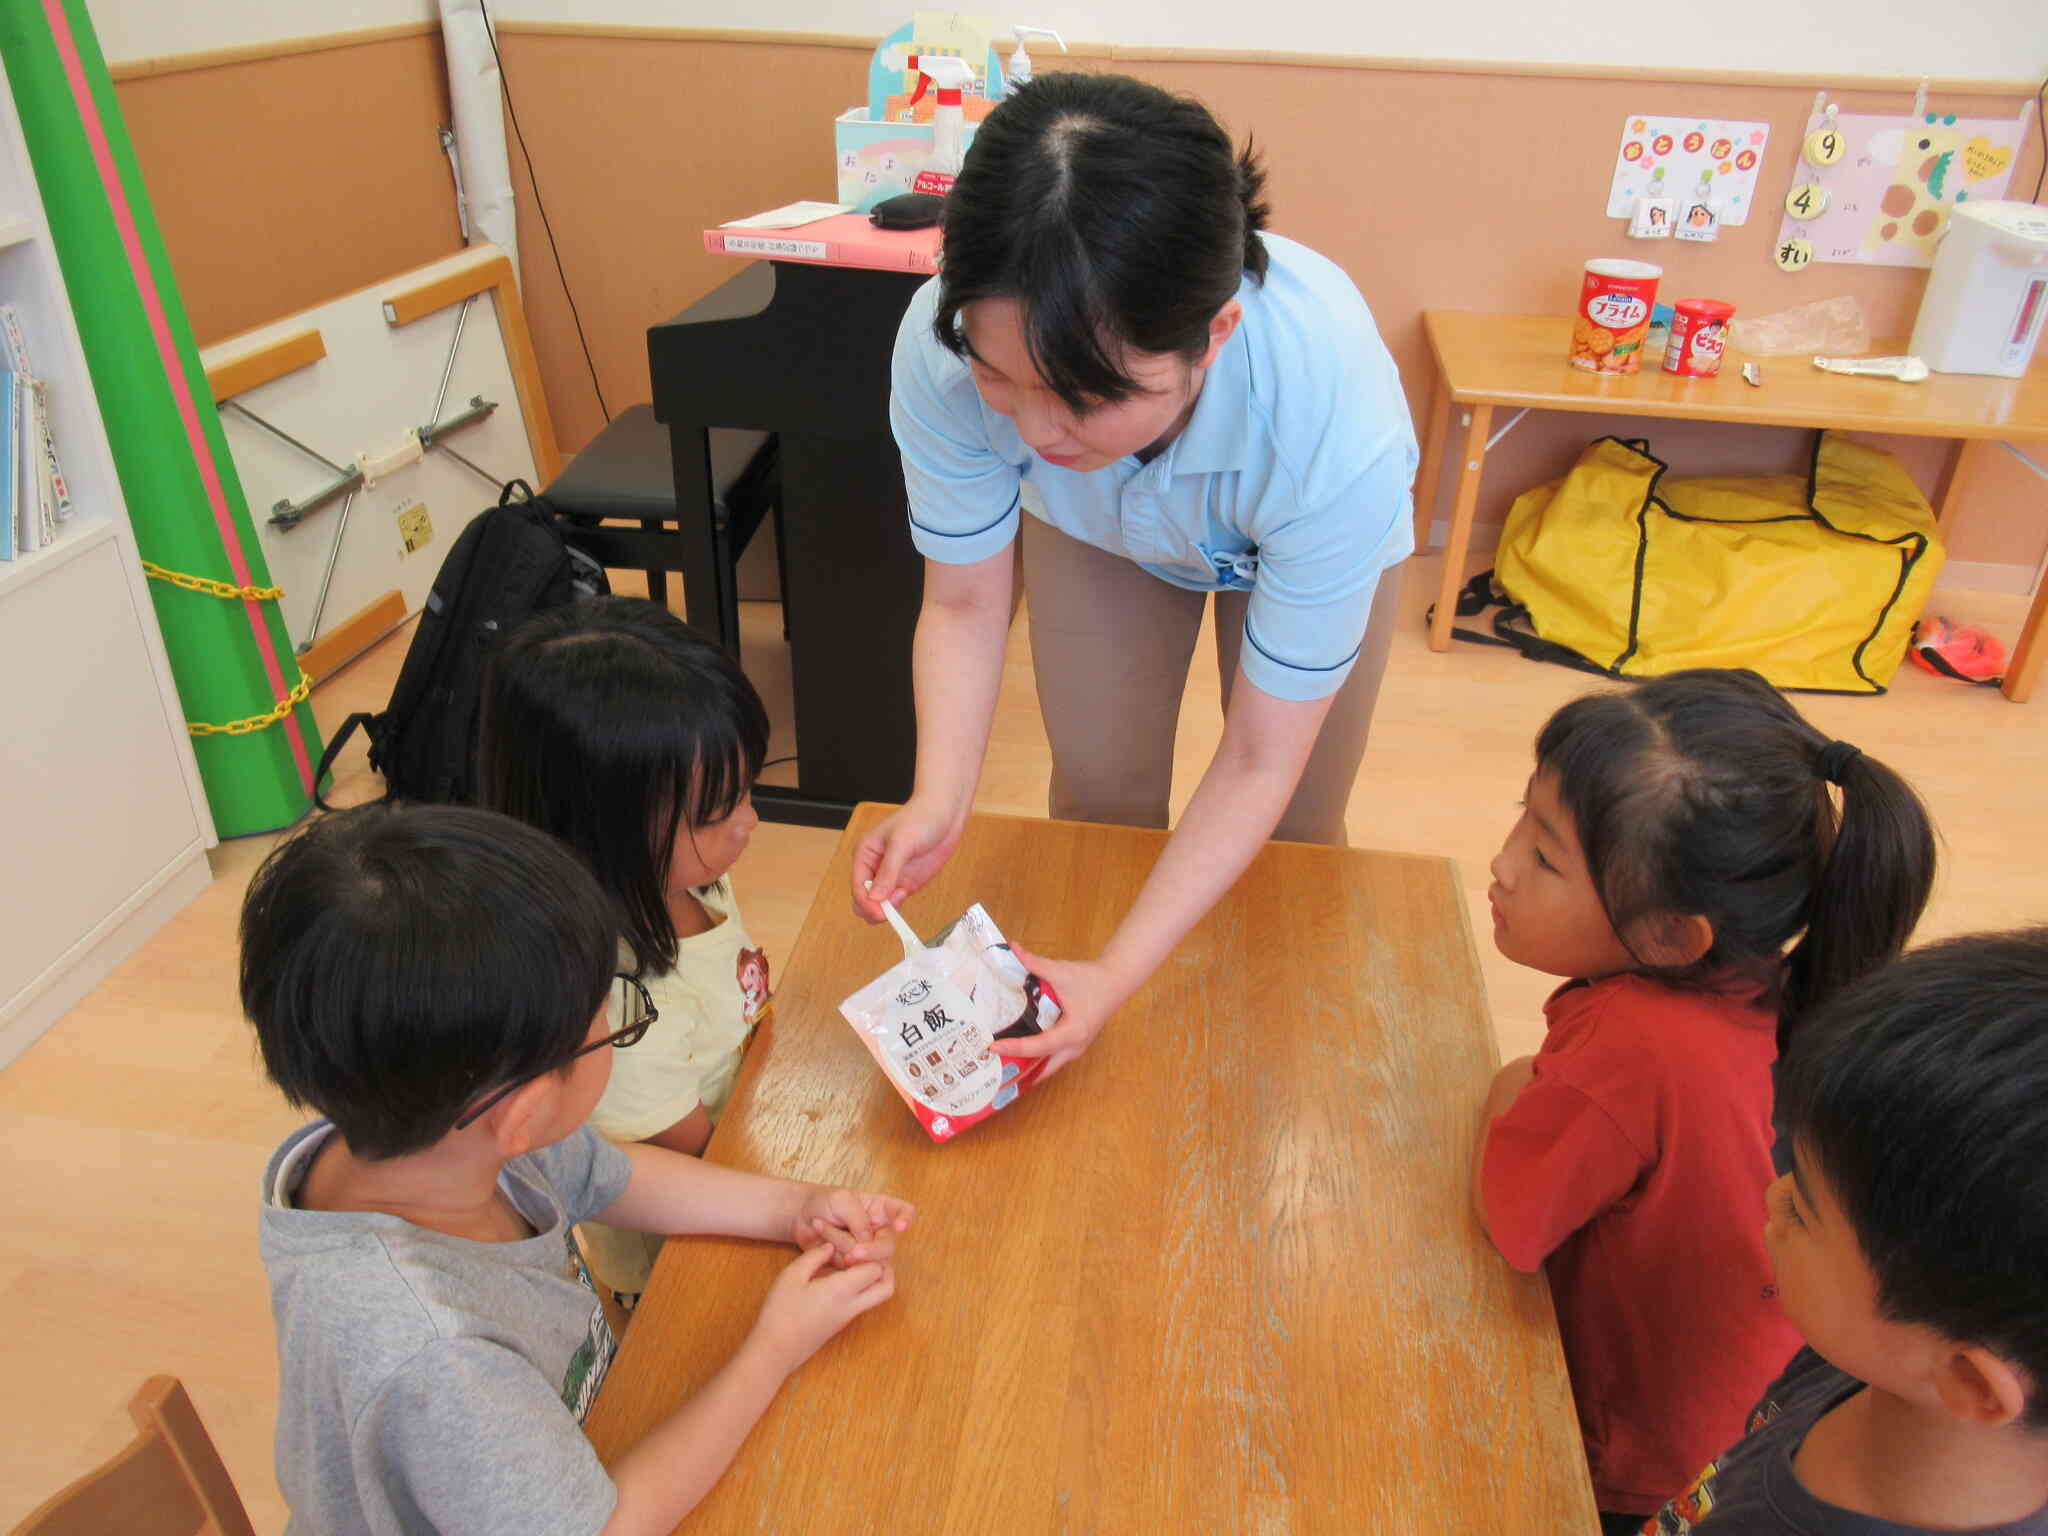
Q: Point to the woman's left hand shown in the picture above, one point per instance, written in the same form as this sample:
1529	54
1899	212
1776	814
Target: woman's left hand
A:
1088	992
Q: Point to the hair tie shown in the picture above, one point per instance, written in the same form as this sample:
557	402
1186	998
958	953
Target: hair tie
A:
1835	759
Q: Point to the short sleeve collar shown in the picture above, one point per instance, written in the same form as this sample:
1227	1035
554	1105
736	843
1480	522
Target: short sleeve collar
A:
1218	436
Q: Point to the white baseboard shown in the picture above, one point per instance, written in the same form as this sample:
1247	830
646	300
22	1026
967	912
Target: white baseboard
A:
28	1015
1985	576
1956	575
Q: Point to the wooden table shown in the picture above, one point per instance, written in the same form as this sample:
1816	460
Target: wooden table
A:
1221	1274
1488	361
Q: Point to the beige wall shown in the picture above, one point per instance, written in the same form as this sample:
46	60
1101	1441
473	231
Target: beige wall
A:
1434	189
281	182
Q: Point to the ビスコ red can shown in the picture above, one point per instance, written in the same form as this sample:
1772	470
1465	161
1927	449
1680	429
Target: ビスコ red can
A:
1614	315
1699	330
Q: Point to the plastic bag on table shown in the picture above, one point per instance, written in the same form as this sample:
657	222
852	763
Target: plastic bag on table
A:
932	1020
1833	326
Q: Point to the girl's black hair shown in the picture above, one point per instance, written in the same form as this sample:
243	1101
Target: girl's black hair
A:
615	726
1116	215
1920	1095
399	963
1700	793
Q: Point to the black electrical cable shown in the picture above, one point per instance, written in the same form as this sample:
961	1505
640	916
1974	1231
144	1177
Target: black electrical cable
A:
505	84
2040	122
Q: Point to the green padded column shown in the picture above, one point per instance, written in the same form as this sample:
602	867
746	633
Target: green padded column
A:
231	658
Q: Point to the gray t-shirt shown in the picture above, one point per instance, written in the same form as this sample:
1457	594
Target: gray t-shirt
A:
434	1383
1753	1489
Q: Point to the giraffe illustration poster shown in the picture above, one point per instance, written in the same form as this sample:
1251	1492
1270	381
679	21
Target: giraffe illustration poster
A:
1690	160
1890	195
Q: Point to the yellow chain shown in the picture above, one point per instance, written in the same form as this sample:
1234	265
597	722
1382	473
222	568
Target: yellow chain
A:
212	588
208	585
290	702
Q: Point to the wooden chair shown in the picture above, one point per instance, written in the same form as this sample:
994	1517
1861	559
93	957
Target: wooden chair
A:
169	1481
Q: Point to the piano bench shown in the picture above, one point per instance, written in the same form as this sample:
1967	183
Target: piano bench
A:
625	475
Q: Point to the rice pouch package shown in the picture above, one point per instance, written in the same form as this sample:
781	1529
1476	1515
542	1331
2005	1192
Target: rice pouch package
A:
935	1020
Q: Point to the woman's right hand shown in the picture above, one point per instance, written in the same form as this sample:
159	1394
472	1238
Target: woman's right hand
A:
810	1302
900	855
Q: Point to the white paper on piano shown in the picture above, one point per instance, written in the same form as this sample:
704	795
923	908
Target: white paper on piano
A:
788	216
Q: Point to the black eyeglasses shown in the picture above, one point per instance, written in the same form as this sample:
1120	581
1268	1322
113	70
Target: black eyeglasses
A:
641	1013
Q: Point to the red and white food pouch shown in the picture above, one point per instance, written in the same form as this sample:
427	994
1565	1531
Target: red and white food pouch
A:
935	1022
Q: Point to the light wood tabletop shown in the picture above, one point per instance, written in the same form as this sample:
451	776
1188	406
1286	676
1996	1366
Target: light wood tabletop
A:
1518	362
1221	1274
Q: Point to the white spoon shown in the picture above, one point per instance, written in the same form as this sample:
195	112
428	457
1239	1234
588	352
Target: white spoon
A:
1907	370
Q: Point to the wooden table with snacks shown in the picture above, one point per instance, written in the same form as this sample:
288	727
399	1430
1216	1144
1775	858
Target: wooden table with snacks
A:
1519	362
1221	1274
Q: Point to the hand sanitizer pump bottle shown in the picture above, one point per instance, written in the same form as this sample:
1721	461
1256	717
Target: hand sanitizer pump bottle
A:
1020	61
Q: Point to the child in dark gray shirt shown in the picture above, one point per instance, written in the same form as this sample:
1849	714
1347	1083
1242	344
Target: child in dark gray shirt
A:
1910	1246
433	981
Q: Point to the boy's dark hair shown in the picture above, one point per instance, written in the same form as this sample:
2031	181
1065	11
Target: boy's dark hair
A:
400	962
1701	793
614	726
1921	1095
1117	216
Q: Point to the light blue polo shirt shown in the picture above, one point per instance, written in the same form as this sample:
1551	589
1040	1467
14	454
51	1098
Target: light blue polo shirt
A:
1293	478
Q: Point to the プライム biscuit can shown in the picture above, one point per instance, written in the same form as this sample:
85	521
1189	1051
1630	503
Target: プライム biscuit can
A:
1614	315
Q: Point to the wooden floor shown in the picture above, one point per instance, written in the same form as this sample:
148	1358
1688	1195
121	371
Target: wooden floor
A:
133	1135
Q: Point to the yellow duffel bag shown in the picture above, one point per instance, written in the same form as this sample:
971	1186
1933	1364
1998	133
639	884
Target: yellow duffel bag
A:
1814	582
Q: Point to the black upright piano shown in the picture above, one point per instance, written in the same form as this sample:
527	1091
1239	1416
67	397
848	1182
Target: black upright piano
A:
803	351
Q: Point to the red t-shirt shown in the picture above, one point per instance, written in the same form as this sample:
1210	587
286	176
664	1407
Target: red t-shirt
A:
1632	1167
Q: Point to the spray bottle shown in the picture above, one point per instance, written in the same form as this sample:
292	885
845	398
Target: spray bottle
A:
950	76
1020	61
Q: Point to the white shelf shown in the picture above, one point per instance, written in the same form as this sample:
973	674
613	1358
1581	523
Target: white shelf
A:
73	539
115	838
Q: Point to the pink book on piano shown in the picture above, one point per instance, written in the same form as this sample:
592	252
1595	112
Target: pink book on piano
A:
844	240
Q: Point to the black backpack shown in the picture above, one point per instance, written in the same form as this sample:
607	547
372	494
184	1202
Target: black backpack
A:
509	563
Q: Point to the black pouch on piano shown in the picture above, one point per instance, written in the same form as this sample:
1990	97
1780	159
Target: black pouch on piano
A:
911	210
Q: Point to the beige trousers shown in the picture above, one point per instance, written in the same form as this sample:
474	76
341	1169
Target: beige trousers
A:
1111	643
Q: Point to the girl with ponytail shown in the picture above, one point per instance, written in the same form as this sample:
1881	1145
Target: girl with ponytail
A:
1197	407
1706	868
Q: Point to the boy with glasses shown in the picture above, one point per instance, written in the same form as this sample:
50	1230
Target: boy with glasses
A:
432	981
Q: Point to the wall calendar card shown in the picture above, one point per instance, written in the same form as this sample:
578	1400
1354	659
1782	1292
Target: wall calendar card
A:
1886	195
1693	160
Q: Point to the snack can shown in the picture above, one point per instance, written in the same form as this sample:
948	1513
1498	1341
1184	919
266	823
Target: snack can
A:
1614	315
1699	330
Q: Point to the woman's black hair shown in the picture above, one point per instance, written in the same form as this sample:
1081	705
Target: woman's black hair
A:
1116	215
1920	1096
1701	793
399	963
616	727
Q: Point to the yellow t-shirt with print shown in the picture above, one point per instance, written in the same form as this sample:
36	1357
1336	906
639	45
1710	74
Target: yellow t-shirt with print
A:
708	1006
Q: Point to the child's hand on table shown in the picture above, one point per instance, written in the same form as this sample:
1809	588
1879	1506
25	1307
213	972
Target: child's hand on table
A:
809	1303
855	1228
